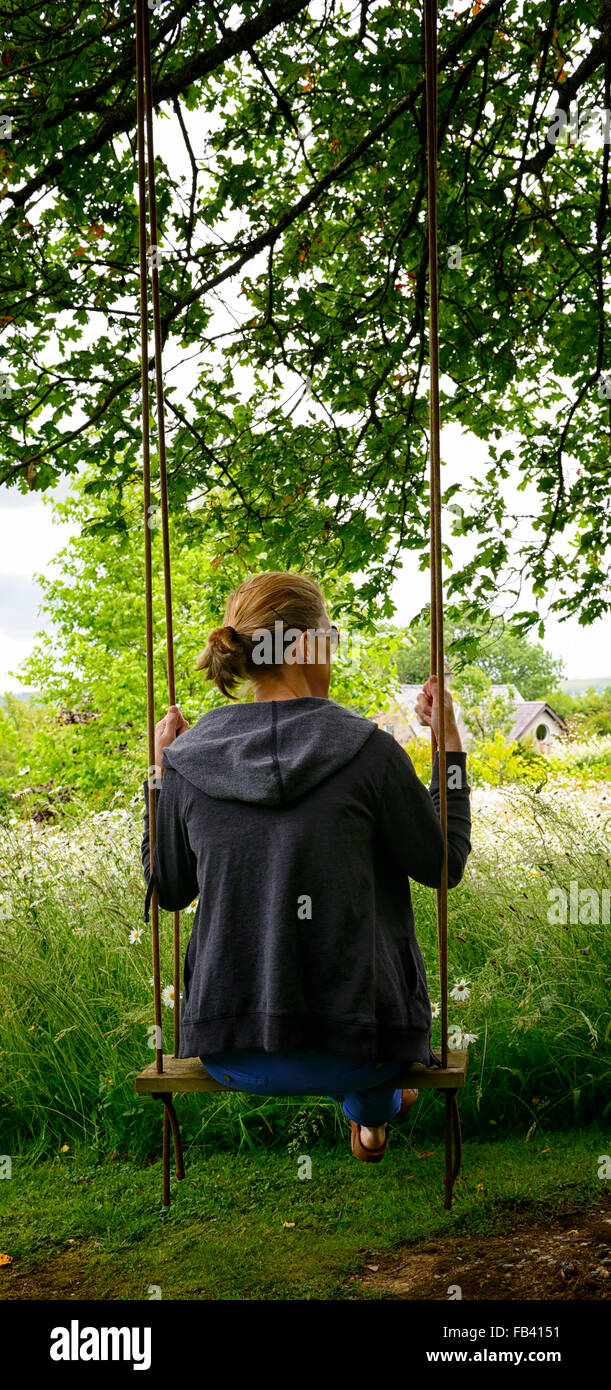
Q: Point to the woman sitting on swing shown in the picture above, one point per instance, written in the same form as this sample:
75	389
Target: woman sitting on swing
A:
299	824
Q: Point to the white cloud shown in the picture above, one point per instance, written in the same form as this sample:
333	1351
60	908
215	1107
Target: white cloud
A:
13	650
30	538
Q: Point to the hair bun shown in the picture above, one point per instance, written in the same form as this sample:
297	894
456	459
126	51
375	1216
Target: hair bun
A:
221	637
223	658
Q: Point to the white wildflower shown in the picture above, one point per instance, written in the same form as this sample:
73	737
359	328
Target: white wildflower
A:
136	935
460	992
457	1040
167	996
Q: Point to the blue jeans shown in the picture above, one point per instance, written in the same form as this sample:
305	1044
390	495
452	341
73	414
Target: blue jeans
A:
312	1073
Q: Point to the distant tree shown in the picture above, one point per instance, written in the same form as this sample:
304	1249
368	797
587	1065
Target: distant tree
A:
511	659
506	657
19	722
586	713
562	703
486	713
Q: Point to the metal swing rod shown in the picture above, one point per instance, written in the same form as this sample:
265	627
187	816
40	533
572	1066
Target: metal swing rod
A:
437	644
146	171
452	1135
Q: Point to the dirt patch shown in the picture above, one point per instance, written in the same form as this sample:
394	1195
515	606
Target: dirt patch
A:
67	1274
564	1257
561	1257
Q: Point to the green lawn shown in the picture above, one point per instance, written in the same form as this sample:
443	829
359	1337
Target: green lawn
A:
99	1231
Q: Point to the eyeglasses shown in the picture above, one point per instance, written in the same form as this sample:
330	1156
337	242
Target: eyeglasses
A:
331	632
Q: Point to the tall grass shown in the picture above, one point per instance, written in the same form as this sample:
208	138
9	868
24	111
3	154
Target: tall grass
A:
539	998
76	998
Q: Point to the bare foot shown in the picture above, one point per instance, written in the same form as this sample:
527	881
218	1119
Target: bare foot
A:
372	1138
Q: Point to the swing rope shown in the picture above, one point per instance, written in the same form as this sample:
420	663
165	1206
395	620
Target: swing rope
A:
146	174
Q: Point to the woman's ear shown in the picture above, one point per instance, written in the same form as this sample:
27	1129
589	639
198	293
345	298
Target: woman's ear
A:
303	649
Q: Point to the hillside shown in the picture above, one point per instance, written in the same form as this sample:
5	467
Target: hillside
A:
577	687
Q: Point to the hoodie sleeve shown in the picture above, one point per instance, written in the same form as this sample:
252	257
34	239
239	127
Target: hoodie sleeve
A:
175	865
409	818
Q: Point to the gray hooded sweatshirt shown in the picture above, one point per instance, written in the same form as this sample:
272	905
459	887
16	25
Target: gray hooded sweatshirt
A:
299	824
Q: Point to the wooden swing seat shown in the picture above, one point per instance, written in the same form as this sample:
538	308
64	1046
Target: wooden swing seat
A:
189	1074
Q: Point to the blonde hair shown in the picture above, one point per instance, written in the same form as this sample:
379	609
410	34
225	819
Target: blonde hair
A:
258	603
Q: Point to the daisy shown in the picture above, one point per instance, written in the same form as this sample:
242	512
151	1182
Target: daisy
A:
457	1040
460	992
136	935
167	996
435	1010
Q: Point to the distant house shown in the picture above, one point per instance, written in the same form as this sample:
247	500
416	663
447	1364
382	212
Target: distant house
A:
400	719
534	721
537	723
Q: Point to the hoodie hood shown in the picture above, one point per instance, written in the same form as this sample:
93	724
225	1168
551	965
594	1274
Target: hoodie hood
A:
271	751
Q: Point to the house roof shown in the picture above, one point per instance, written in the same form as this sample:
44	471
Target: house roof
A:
406	697
508	692
527	713
408	693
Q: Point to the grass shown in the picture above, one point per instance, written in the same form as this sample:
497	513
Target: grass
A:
99	1231
76	1010
76	999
